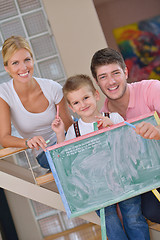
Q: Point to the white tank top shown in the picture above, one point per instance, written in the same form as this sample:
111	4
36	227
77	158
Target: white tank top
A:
33	124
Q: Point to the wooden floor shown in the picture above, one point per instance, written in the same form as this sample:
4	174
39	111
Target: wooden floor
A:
154	226
88	231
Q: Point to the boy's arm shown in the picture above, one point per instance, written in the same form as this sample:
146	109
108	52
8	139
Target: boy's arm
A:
60	138
59	128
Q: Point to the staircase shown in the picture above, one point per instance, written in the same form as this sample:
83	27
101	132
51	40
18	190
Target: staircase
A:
24	182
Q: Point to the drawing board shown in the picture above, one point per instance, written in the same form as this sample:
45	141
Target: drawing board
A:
105	167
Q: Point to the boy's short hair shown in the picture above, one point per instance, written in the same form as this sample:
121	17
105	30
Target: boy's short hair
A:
106	56
76	82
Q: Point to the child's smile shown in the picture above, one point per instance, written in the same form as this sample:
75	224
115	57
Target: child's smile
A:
84	102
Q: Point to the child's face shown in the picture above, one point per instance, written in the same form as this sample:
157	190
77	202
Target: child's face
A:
83	102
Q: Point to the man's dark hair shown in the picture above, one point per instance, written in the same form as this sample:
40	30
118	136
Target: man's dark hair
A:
106	56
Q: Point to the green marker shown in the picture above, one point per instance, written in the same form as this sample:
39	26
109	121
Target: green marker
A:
48	141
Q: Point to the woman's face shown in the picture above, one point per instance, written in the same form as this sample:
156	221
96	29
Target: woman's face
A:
20	66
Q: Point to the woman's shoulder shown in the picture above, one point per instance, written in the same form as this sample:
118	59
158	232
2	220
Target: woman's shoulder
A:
6	91
51	89
6	86
47	82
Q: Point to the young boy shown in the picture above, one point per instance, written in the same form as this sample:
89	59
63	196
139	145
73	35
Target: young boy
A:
82	98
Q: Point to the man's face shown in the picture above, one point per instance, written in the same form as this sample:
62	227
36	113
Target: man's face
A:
112	80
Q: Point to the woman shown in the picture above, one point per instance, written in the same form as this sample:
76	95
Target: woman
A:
29	102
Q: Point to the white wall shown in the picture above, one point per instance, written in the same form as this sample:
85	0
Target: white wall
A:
23	217
77	31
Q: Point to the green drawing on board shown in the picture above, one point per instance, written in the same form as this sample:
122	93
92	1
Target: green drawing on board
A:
106	168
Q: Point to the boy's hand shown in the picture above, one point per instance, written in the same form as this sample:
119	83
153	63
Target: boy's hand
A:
59	129
104	122
148	131
58	125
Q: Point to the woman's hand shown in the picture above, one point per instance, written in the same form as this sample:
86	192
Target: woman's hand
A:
37	142
148	131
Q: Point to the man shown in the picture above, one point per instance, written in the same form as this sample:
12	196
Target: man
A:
129	100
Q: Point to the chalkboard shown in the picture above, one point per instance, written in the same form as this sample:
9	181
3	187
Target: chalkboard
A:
105	167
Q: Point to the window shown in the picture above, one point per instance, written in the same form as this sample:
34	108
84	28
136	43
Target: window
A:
28	19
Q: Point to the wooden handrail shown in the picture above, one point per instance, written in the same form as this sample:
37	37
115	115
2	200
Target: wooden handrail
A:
6	152
45	179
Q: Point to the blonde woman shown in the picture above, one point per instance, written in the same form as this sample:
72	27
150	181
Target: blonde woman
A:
28	102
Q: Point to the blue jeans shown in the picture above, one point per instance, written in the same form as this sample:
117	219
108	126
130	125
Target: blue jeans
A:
135	225
42	160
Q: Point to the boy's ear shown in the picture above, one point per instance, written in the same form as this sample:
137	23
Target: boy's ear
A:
97	95
71	108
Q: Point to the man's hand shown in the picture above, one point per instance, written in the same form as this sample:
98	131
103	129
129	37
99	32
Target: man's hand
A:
148	131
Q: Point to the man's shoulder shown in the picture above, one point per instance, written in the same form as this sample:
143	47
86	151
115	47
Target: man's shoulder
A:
144	89
144	82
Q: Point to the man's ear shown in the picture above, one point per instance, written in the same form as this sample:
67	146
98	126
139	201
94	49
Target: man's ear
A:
96	81
126	72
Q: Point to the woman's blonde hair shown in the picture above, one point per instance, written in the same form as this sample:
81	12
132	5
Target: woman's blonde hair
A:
11	45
